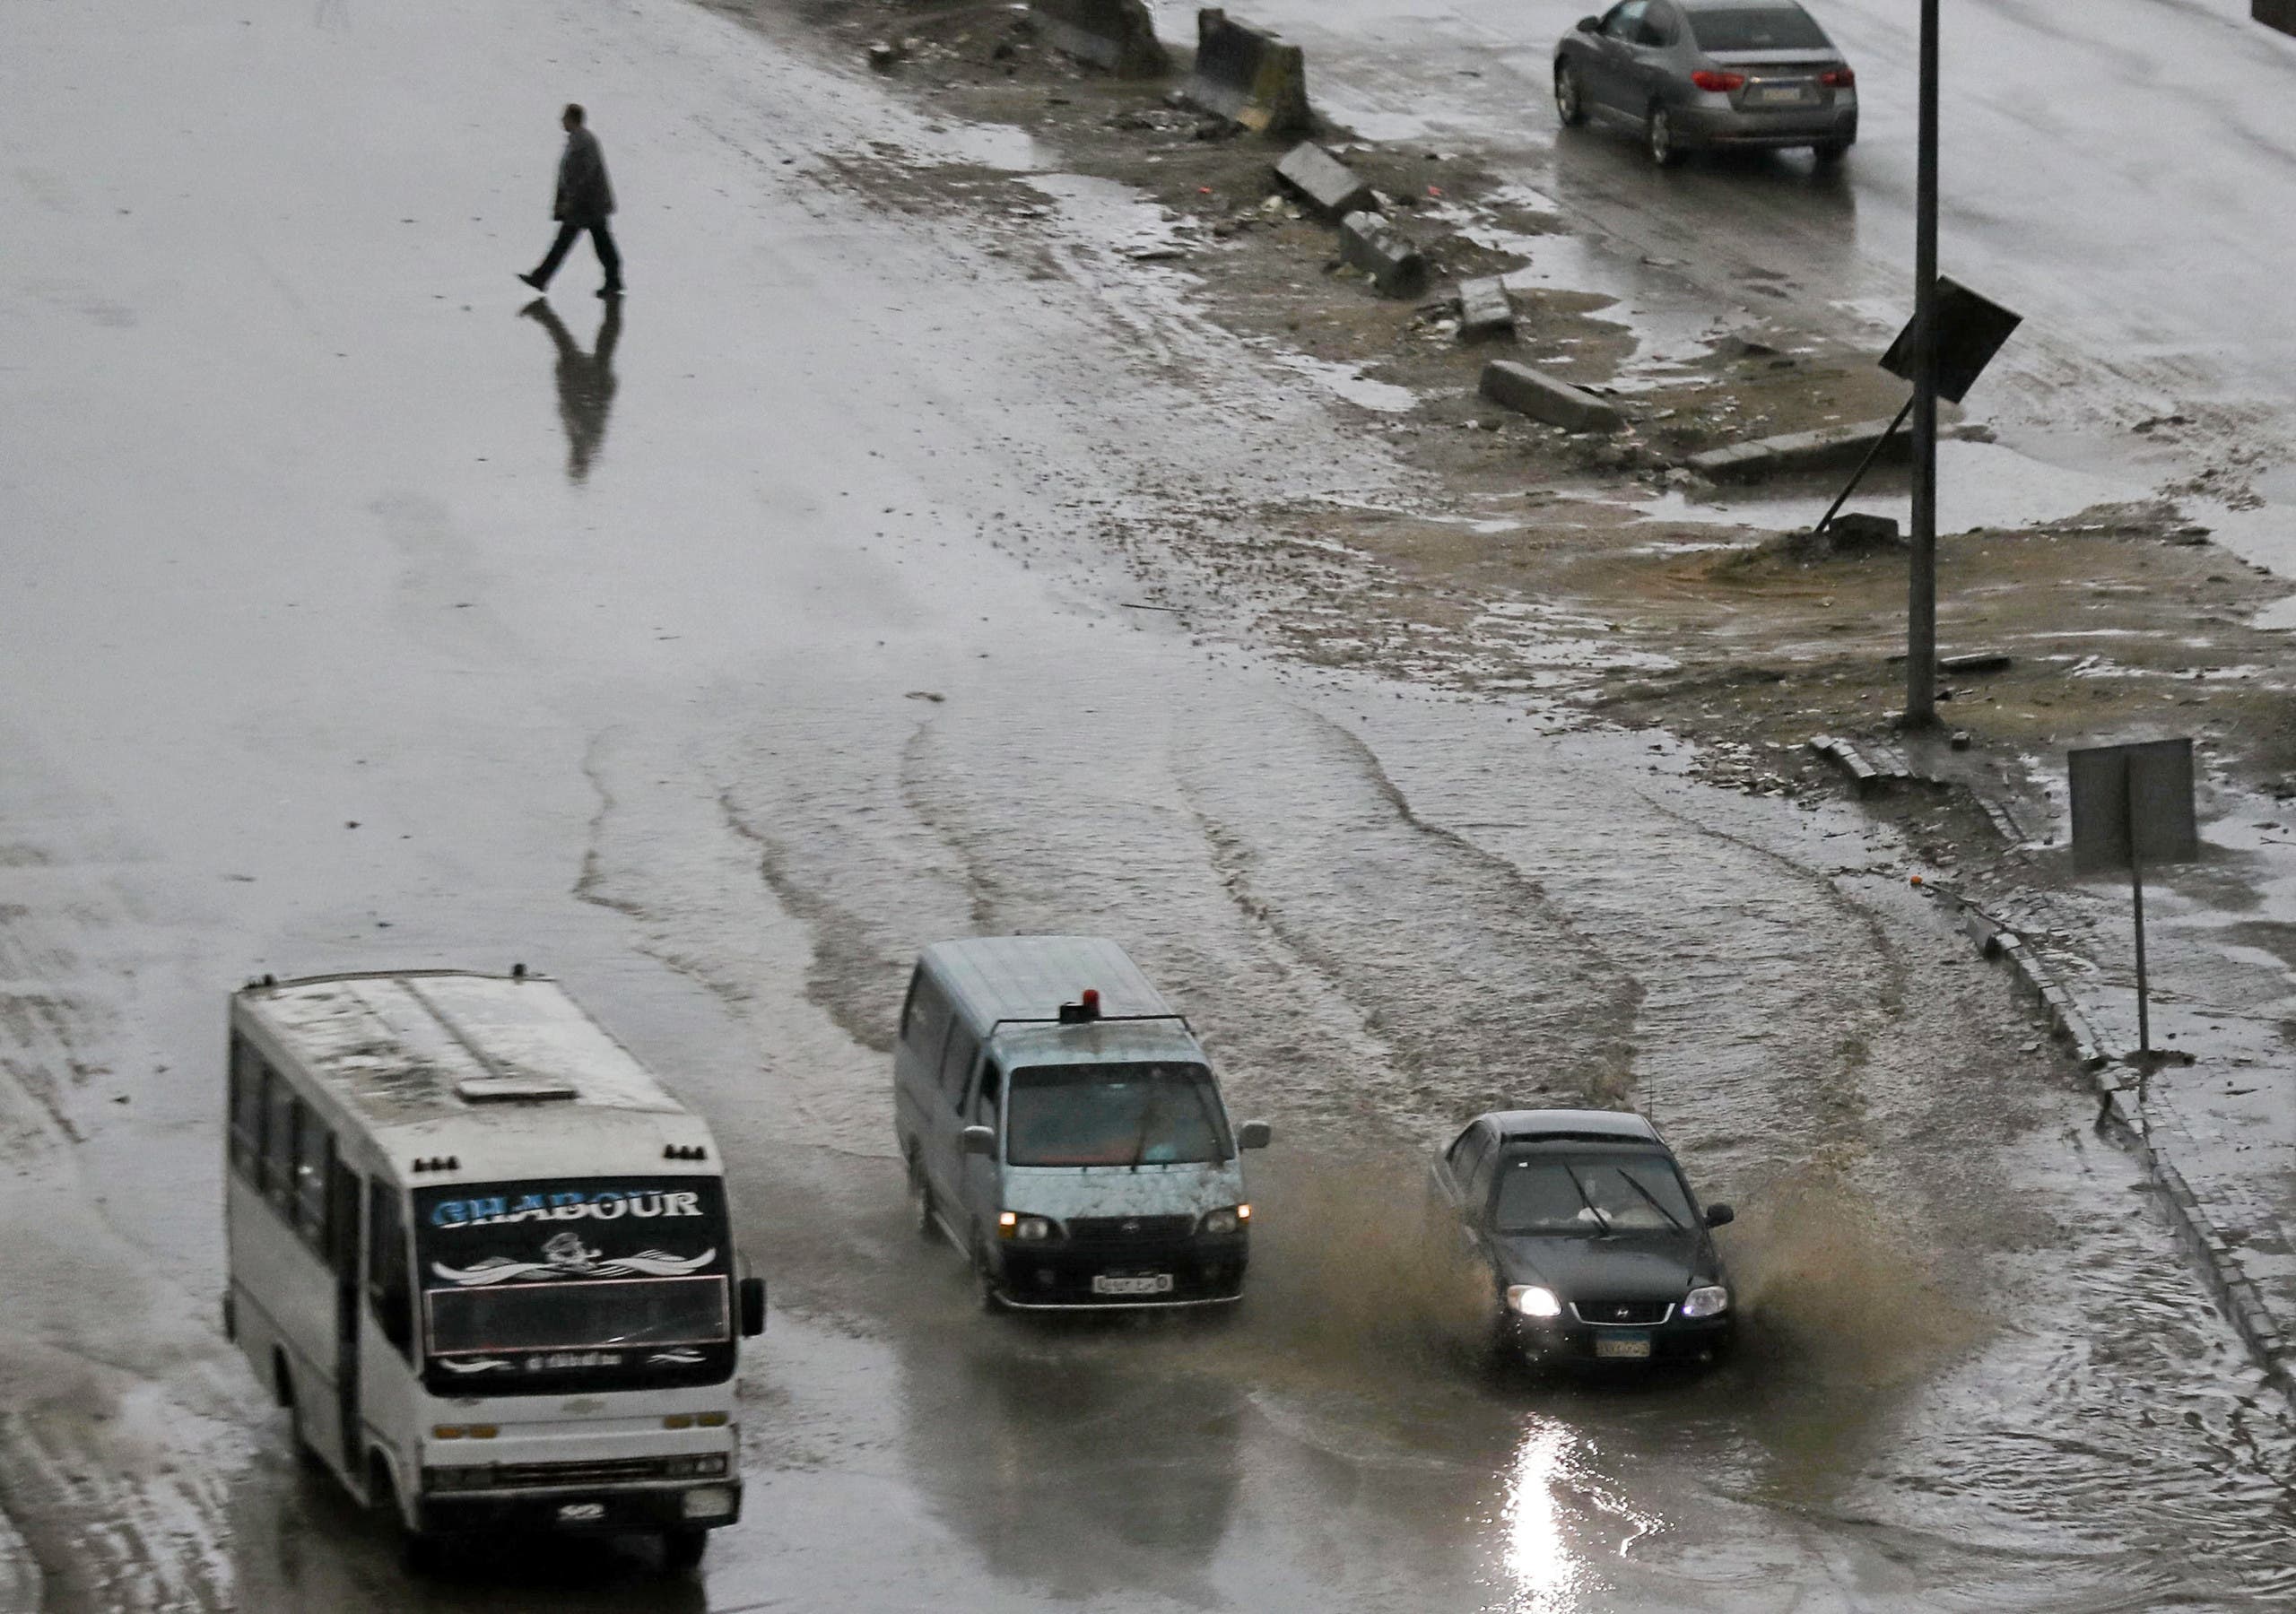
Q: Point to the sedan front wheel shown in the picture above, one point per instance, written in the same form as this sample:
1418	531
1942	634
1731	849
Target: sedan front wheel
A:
1568	105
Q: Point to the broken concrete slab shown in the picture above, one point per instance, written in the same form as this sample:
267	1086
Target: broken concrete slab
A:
1527	392
1378	248
1486	310
2274	13
1325	184
1827	447
1117	35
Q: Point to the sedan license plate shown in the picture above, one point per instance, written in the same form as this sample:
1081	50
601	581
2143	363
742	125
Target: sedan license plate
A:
1621	1347
1155	1283
1778	95
580	1513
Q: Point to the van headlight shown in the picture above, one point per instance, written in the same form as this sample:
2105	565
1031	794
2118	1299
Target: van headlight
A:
1532	1301
1227	1220
1028	1229
1711	1301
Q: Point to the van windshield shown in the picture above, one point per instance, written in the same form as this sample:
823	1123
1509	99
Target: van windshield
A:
1115	1115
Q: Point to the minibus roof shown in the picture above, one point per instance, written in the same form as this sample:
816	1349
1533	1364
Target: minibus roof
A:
431	1058
1022	978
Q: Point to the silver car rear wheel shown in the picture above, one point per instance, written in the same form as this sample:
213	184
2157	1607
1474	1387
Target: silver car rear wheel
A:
1567	106
1664	150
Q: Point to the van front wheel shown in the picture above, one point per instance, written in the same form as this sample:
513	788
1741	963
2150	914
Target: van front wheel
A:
921	1212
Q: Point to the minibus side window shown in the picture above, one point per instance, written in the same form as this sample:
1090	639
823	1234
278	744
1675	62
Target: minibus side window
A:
957	1061
313	1153
280	1113
390	1282
246	1110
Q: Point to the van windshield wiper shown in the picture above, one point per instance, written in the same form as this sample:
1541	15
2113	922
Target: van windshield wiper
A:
1147	1120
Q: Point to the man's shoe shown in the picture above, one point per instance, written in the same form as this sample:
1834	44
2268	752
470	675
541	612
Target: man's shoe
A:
536	282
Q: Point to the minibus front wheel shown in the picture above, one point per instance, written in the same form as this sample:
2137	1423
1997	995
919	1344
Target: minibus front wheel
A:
681	1550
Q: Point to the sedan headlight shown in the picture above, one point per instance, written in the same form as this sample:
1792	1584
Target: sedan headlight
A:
1712	1301
1029	1229
1532	1301
1228	1219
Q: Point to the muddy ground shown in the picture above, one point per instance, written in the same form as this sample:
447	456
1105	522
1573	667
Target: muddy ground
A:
1594	571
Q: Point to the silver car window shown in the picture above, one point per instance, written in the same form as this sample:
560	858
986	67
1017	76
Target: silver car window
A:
1625	21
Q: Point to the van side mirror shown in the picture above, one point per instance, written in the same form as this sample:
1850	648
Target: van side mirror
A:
1719	1216
752	1298
1254	1134
979	1141
1590	25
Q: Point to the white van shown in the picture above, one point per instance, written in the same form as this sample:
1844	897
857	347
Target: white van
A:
1061	1126
483	1259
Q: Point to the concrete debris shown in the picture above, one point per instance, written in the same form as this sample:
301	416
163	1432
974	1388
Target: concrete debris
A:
1486	310
1370	243
1826	448
1542	397
1116	35
884	56
1322	181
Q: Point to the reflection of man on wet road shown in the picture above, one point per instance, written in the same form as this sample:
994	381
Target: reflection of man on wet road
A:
585	381
584	200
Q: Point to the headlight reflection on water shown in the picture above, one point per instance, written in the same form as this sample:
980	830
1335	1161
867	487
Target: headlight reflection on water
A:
1556	1503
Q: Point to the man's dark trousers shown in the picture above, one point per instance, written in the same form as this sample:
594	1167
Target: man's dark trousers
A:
601	238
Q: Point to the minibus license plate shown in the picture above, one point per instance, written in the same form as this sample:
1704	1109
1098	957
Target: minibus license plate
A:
1622	1346
1155	1283
580	1513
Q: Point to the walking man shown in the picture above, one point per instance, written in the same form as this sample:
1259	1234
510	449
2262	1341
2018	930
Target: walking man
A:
584	201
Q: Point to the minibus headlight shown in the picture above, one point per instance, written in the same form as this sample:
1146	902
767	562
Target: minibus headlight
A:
461	1477
1030	1229
710	1465
710	1502
1228	1219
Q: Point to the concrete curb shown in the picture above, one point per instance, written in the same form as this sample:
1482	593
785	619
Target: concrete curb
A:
1525	391
2274	13
1377	247
2124	1105
1826	448
1248	76
1117	35
1329	187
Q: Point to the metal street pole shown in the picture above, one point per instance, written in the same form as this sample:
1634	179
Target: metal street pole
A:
1921	593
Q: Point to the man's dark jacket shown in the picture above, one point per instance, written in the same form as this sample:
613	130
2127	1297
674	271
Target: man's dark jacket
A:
584	196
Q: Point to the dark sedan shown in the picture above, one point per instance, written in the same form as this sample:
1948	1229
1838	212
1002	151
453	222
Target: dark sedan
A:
1594	1246
1691	74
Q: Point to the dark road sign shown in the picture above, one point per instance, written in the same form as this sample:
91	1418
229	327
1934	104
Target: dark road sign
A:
1971	329
2132	800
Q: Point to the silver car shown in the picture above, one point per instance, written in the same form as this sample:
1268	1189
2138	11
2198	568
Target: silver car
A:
1687	75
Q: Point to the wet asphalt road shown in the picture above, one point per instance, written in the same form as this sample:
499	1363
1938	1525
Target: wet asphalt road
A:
354	623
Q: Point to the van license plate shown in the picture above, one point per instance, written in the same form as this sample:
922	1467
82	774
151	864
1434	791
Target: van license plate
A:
1155	1283
1622	1346
580	1513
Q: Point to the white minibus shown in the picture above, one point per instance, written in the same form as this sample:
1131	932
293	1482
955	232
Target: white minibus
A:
483	1259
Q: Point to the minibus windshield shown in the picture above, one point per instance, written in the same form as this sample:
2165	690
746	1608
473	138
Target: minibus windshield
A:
537	1285
1115	1115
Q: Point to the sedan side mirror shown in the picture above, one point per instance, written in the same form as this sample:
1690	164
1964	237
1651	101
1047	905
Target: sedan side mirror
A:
979	1141
1720	1215
752	1295
1590	25
1254	1134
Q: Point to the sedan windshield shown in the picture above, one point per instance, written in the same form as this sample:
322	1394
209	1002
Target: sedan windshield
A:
1115	1115
1590	1194
1766	28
